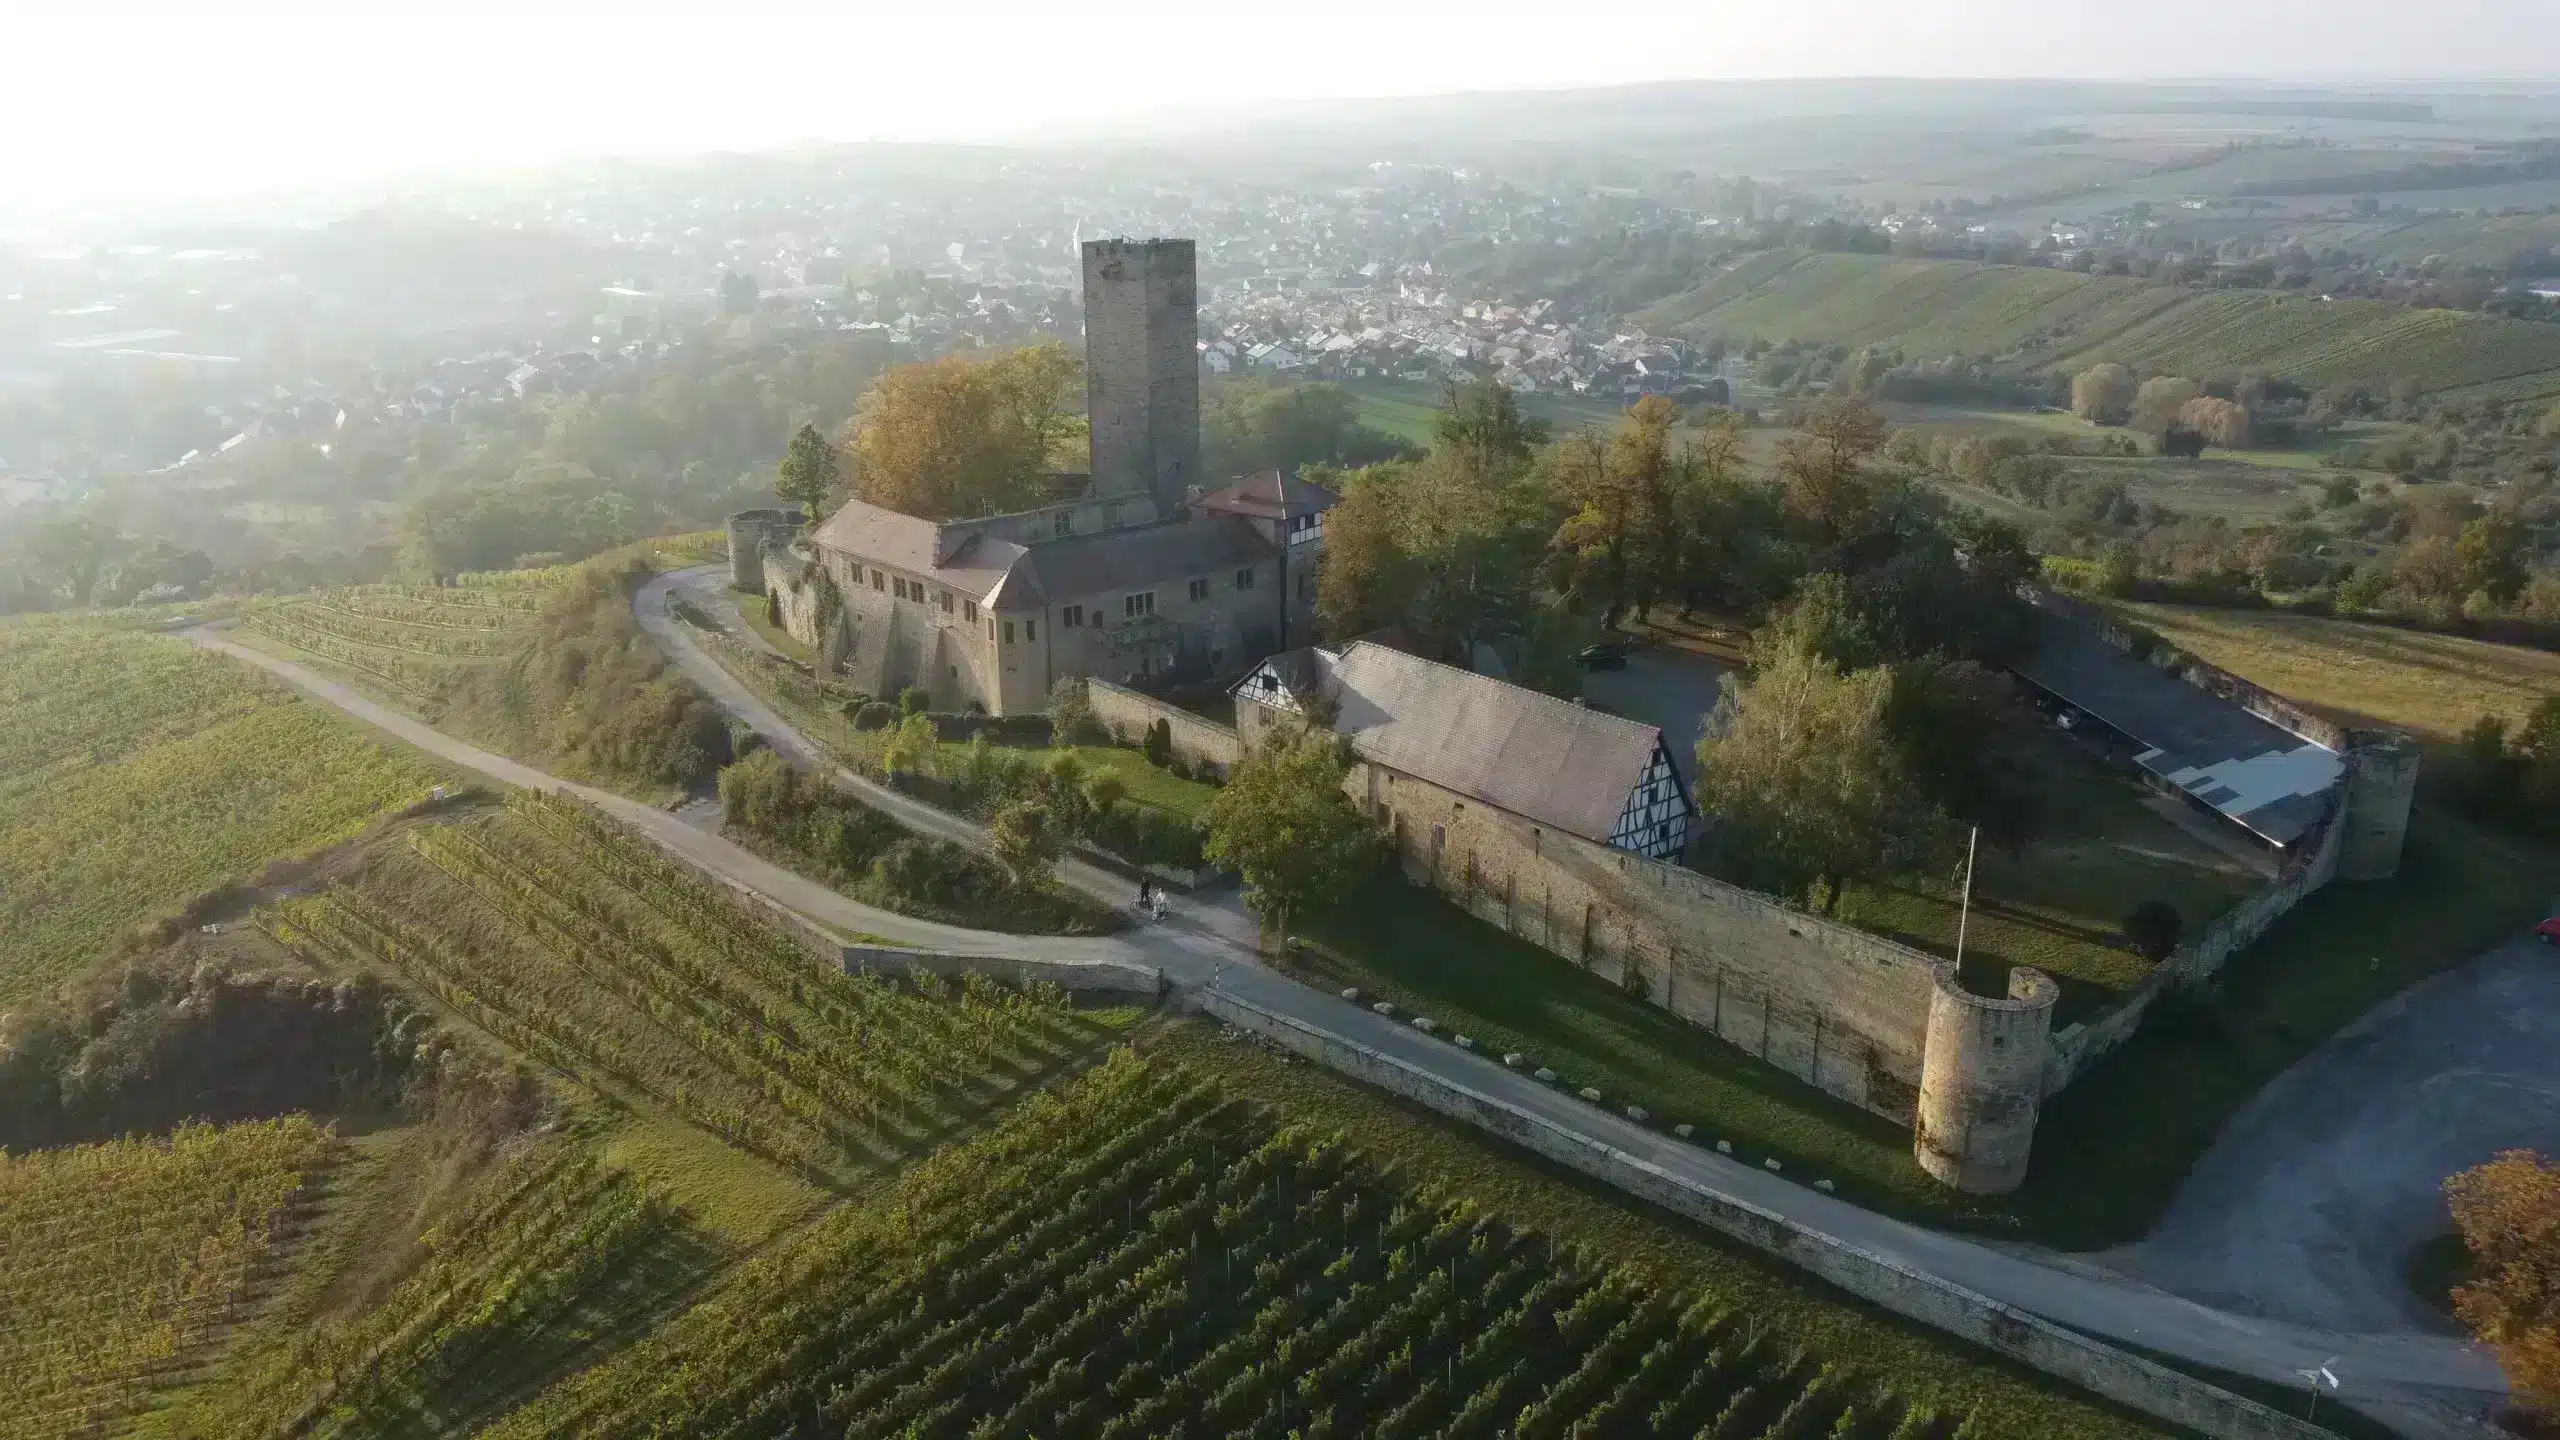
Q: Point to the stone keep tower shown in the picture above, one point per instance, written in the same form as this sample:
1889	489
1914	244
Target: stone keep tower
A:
1142	367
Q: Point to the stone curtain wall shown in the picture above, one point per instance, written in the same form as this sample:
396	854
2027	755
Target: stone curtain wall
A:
2076	1047
1838	1008
2015	1334
1127	715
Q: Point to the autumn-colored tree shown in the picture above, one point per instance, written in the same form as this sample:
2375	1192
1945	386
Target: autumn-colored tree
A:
2103	394
1620	547
2221	422
2157	403
1027	840
2508	1211
964	435
1830	488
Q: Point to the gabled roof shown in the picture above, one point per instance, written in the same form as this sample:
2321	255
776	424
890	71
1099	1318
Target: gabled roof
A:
1002	574
904	542
1545	759
1270	495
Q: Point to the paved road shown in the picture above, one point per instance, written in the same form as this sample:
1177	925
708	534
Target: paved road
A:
2308	1205
2413	1378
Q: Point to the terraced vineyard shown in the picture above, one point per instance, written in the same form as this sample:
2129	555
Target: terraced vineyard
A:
1142	1255
2058	319
579	945
137	771
554	1240
408	637
119	1262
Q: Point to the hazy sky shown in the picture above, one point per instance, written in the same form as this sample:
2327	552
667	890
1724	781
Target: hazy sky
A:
104	99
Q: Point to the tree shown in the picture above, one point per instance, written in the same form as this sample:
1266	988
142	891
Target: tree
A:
1248	427
2492	553
2508	1211
1284	824
2157	403
808	473
2153	926
1486	416
737	293
1619	548
2220	422
2103	394
914	700
1830	488
1800	769
1071	717
961	436
1027	840
1158	744
911	748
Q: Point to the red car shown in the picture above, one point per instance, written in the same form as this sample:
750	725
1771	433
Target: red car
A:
2548	932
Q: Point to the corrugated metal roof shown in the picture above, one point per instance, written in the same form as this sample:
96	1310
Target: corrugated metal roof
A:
1549	760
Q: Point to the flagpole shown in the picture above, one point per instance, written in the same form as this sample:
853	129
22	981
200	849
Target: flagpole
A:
1965	912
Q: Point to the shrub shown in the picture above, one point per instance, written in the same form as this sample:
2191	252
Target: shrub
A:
1071	714
1158	745
1178	767
914	700
2153	927
874	715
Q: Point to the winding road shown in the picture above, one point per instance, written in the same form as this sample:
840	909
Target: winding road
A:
2424	1384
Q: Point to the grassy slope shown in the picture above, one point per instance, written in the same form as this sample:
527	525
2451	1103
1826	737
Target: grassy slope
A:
2053	318
2360	673
140	772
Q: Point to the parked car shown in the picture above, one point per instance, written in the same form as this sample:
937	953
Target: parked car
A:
2548	932
1606	655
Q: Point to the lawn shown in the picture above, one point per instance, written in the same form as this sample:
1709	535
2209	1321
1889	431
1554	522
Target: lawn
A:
2363	674
1410	410
1522	1191
2058	903
1413	948
2111	1150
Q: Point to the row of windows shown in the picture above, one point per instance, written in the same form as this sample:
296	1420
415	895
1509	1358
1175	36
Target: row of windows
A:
1135	605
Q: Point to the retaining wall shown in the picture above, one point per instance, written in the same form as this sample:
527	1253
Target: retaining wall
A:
2029	1339
1128	714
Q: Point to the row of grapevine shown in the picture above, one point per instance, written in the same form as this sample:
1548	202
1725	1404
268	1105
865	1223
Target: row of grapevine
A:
580	946
1138	1255
544	1238
119	1261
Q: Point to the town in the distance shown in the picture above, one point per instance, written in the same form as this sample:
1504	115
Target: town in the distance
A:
1863	760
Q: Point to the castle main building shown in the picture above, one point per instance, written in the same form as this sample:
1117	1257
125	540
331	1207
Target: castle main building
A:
1149	577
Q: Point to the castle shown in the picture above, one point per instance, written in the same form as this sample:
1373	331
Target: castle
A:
1146	577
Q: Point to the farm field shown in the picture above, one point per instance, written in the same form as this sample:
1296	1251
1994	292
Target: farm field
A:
581	947
1411	410
547	665
2052	319
124	1260
1144	1252
2363	674
139	772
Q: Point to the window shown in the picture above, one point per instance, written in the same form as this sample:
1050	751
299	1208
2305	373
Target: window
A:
1244	578
1065	524
945	597
1142	602
898	583
879	579
991	629
1073	618
1030	631
1199	590
1008	632
969	611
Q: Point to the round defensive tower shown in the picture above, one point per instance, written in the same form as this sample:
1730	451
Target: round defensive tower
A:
1982	1080
2382	778
750	533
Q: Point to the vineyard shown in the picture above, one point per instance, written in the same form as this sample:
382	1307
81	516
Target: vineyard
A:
584	948
137	772
553	1244
409	638
1143	1255
121	1261
2058	319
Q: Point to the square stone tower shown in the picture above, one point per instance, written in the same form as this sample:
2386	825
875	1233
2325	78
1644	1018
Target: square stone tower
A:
1142	367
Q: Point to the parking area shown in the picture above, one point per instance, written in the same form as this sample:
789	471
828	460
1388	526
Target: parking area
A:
1662	686
2310	1205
